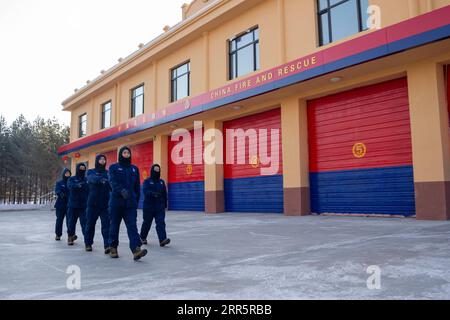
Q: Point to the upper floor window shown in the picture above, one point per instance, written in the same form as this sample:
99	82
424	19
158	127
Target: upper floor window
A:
339	19
180	82
137	101
82	125
244	54
106	114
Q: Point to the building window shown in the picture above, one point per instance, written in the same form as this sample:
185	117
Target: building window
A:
180	82
244	54
137	101
106	114
82	125
339	19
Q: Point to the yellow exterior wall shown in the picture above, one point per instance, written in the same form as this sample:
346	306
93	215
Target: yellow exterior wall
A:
195	53
74	124
96	115
429	121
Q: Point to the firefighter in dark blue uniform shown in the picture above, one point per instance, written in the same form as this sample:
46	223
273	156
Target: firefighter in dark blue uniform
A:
97	203
125	183
155	204
62	192
79	190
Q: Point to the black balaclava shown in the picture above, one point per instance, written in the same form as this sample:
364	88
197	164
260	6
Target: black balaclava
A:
155	175
64	174
79	173
123	161
98	166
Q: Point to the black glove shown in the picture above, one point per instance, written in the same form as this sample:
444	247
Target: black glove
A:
125	194
104	181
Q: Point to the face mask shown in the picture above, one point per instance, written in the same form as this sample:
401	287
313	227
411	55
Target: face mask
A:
80	173
122	160
99	166
155	175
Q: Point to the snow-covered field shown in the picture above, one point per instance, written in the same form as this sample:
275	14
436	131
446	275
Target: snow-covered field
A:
23	207
234	256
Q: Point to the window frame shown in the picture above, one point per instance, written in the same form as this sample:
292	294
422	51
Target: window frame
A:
102	118
254	43
174	80
80	123
133	99
327	11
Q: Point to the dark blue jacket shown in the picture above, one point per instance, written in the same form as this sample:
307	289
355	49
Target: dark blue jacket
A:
155	194
99	188
62	192
124	178
79	190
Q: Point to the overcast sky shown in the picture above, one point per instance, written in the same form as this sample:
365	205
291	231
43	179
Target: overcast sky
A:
50	47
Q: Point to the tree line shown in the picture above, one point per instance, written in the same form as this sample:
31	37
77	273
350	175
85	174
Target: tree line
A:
29	164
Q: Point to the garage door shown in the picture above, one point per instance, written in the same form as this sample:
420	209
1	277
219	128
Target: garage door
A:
360	151
142	157
186	180
111	158
247	188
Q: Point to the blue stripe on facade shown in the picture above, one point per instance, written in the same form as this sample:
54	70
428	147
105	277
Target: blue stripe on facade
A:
375	53
263	194
187	196
387	191
419	39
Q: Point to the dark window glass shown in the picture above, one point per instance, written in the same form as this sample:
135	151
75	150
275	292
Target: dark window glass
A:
339	19
180	82
137	101
244	54
82	129
106	115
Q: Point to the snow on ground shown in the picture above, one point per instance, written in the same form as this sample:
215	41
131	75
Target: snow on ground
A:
233	256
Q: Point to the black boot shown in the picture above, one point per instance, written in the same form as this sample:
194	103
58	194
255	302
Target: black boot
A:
107	250
58	238
70	241
88	248
144	241
113	253
164	242
139	253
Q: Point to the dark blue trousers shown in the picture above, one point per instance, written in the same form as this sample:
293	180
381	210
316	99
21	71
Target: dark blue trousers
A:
159	216
129	216
60	216
73	214
92	215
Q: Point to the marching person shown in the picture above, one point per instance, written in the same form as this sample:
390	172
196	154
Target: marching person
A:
125	183
62	192
97	203
155	204
78	190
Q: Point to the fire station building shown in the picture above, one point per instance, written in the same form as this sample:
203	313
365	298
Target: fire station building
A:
358	90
